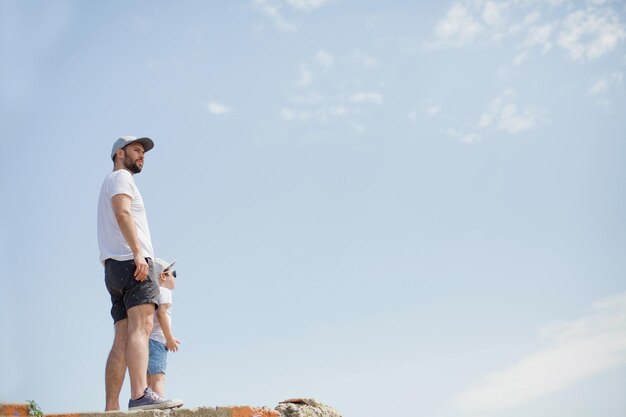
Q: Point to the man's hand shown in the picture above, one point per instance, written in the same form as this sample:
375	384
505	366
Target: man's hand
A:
141	272
172	344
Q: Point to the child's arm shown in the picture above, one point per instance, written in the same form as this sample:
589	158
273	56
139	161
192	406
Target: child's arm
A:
164	321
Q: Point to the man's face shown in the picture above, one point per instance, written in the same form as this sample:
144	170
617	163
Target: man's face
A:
133	157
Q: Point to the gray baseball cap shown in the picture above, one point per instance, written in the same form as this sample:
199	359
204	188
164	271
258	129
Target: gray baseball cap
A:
127	140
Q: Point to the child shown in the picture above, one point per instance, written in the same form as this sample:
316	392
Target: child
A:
161	338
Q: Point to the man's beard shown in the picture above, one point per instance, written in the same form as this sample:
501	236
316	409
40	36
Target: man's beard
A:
134	168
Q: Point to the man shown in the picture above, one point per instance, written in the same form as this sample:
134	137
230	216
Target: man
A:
126	253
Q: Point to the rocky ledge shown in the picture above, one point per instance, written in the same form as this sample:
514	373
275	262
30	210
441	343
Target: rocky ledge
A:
297	407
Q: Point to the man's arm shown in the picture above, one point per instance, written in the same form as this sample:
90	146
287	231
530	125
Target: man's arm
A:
121	208
164	321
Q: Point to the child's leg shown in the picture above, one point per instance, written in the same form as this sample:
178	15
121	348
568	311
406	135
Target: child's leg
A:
157	383
156	367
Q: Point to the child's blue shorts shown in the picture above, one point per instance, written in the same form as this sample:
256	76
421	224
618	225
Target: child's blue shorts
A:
158	358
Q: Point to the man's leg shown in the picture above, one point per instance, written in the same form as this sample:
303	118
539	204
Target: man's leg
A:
116	367
157	383
139	327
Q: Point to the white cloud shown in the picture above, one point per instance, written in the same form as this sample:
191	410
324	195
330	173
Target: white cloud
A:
599	87
591	33
319	114
585	34
485	120
307	5
465	138
512	121
295	115
602	85
428	108
217	108
521	58
363	59
458	27
504	115
271	8
325	59
575	350
539	35
338	110
367	98
536	36
492	13
470	138
532	17
358	127
617	77
305	79
311	98
431	108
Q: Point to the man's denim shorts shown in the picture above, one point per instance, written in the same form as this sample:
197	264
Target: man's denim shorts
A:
158	358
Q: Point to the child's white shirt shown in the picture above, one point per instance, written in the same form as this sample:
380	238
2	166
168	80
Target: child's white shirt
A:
164	298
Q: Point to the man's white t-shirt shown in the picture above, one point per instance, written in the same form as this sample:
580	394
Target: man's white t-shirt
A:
111	242
157	332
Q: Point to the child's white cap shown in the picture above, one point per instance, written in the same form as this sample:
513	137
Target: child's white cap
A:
162	265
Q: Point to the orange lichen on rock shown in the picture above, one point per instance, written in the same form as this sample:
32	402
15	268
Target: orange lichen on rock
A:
14	410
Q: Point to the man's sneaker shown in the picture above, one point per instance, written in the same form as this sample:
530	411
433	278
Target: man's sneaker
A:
176	403
152	401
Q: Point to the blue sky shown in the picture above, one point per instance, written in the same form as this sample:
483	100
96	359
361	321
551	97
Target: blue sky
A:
397	208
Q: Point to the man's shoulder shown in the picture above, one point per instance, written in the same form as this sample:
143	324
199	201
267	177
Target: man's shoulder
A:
119	174
117	178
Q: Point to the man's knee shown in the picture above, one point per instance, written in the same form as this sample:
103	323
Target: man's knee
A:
121	334
147	326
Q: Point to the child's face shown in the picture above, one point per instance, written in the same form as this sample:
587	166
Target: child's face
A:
167	279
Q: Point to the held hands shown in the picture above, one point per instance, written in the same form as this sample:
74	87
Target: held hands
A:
141	272
172	344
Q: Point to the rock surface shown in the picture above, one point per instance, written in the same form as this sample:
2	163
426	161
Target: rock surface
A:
21	410
305	407
297	407
14	410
